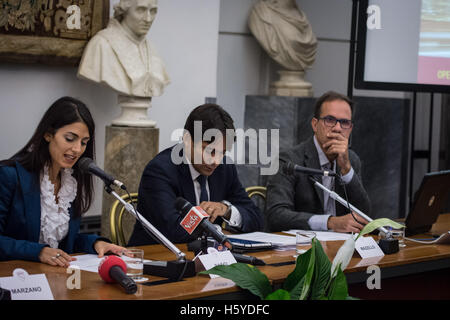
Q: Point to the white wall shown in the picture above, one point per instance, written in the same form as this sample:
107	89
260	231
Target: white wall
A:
185	34
241	61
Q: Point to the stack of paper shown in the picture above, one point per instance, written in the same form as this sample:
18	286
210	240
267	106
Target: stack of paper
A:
324	235
276	239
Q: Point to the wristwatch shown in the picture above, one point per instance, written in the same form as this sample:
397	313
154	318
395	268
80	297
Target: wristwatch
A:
227	214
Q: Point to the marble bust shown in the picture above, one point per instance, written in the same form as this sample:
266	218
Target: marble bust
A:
121	57
284	32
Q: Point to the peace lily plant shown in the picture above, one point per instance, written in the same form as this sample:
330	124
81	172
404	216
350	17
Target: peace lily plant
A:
314	276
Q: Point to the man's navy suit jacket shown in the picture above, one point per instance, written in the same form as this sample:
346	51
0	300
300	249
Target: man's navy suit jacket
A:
20	218
163	181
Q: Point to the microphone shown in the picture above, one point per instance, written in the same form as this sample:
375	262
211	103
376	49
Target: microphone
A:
290	168
88	165
248	259
113	269
197	217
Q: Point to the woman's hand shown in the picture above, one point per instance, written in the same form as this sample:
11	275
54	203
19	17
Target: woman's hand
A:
55	257
102	247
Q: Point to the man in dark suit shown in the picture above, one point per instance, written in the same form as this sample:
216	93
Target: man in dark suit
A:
293	202
195	170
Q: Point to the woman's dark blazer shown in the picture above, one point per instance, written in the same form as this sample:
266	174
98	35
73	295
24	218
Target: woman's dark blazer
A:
20	218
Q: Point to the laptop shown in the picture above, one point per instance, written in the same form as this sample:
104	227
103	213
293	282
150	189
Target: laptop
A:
429	200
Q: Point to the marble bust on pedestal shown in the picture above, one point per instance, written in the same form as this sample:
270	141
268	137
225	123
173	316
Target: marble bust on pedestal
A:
121	57
284	32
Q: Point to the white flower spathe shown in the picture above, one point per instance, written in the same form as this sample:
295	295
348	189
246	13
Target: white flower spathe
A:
343	256
55	216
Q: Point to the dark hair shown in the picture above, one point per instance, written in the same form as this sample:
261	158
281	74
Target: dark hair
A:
212	116
330	96
35	155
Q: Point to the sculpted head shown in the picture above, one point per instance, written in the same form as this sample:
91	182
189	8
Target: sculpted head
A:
136	15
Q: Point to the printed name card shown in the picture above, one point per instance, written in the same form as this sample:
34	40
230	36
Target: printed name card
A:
216	258
24	286
368	248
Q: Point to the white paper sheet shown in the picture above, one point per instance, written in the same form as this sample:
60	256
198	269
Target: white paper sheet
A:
324	235
275	239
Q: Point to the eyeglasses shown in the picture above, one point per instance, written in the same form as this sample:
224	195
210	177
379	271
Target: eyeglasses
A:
331	122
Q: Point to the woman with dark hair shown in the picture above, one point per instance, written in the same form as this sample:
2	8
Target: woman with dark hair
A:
43	193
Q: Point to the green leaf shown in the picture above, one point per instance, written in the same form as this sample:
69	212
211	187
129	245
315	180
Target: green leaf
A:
301	267
322	272
244	276
309	272
339	289
297	290
279	294
383	222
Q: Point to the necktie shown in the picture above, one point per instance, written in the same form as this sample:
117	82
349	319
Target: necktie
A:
328	182
203	192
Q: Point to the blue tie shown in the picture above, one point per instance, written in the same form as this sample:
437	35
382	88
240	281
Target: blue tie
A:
203	193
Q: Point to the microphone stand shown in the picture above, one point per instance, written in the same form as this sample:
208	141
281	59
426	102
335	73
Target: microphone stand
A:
387	244
176	269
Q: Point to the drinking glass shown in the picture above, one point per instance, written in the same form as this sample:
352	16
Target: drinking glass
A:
303	238
134	258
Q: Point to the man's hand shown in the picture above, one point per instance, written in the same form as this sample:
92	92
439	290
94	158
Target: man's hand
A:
337	148
214	209
347	223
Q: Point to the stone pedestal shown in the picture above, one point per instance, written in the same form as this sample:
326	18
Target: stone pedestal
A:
127	152
291	84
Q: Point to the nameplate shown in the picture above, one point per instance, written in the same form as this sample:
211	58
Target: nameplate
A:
368	248
24	286
216	258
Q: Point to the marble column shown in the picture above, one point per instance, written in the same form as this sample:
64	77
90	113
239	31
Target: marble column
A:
127	152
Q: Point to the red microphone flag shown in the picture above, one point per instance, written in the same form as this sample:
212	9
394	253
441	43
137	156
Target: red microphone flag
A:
194	217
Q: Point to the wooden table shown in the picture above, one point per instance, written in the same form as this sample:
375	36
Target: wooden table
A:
428	263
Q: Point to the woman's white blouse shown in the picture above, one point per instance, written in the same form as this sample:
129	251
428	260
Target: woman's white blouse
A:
55	216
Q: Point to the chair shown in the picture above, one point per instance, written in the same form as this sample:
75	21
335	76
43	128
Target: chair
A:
116	217
256	190
258	195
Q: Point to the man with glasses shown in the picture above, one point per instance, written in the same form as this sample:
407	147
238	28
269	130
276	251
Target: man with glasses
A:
293	202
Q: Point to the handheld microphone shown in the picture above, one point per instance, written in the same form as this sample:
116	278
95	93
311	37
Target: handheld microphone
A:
248	259
290	168
5	294
196	217
88	165
113	269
